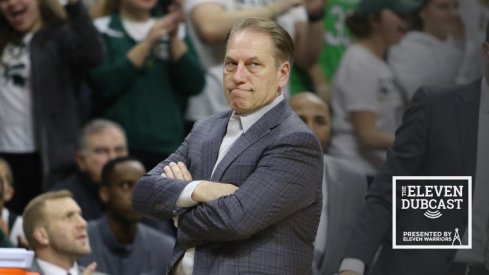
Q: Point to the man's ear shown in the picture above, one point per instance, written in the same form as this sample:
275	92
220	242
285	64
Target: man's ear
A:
80	160
41	236
283	75
104	194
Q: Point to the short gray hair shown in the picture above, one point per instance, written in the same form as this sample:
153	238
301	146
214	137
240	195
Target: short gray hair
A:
284	45
96	126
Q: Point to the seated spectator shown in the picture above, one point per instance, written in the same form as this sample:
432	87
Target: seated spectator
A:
4	231
57	233
10	223
45	50
434	51
120	243
100	141
343	189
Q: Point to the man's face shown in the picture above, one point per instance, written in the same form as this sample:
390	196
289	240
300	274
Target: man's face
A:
66	229
315	114
252	75
100	148
117	194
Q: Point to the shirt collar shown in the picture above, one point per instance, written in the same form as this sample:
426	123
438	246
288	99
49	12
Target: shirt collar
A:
248	120
52	269
484	102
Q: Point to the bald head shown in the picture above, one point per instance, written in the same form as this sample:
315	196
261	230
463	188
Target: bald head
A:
315	113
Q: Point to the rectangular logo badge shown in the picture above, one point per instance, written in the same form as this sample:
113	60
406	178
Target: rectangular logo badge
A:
431	212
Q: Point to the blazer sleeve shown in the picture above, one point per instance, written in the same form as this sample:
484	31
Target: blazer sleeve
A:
155	195
287	179
406	157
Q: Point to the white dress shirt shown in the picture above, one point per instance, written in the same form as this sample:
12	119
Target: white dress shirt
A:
51	269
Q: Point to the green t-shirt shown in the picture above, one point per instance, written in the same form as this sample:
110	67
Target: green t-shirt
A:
336	38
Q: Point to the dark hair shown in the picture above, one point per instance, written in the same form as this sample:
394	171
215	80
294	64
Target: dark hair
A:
359	24
284	45
110	166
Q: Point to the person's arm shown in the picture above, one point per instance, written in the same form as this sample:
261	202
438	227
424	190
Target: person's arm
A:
286	179
116	73
367	134
213	29
309	38
81	43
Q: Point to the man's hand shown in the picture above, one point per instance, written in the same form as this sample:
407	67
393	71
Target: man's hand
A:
90	269
208	191
348	272
177	171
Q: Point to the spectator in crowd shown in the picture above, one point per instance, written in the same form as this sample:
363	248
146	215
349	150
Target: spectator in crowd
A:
302	19
100	141
120	243
45	50
250	199
343	189
10	223
57	233
147	74
434	51
4	230
367	104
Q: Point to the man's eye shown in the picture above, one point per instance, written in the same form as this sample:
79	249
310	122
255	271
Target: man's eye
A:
230	66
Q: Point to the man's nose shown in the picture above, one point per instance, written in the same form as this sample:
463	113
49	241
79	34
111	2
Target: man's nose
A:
240	73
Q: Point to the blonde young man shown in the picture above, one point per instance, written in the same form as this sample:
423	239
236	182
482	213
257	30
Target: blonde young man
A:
57	233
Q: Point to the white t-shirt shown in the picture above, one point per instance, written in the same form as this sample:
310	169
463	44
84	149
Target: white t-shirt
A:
421	59
16	118
211	56
363	82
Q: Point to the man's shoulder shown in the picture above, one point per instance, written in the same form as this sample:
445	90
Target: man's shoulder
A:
72	183
441	94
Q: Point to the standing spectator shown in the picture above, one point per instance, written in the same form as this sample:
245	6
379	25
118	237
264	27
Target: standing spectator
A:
208	33
147	73
120	243
367	104
45	50
100	141
57	233
10	222
432	53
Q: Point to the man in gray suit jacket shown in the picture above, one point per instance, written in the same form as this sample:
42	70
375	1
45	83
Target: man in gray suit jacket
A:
245	186
343	189
57	233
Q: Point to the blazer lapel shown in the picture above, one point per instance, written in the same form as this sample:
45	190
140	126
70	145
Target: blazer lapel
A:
261	128
467	108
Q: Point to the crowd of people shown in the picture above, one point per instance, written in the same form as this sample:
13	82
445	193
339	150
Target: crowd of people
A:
153	136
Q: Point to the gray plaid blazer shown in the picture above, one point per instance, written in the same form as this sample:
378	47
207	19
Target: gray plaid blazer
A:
268	226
